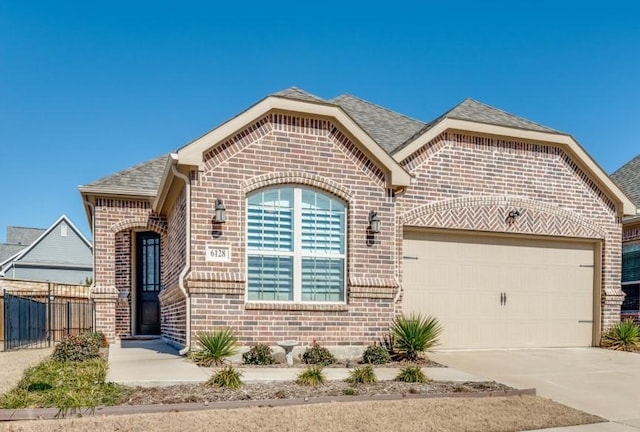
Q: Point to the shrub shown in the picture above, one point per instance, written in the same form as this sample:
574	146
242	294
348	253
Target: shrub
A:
624	336
227	377
311	376
98	338
216	347
318	355
362	375
78	348
411	374
376	354
259	354
415	334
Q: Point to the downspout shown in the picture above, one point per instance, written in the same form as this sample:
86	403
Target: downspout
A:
187	264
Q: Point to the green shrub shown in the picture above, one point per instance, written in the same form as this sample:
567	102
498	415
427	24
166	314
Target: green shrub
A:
624	336
78	348
362	375
414	335
216	347
311	376
259	354
98	338
376	354
318	355
411	374
227	377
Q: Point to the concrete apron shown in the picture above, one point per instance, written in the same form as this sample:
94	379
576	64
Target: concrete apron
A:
153	363
601	382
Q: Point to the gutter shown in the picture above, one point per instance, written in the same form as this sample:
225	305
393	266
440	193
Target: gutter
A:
187	264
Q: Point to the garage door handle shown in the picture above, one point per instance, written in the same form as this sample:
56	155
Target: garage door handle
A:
503	298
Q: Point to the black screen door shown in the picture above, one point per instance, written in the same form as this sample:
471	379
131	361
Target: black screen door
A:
148	283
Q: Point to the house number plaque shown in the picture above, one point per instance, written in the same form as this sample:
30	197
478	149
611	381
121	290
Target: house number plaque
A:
218	253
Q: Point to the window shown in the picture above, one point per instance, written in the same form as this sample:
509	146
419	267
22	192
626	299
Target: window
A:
631	276
295	246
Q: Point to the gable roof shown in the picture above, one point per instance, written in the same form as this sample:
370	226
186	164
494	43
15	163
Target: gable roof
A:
628	178
9	250
388	128
142	179
297	94
26	250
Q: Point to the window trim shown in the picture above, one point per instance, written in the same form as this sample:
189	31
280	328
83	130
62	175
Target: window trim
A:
297	252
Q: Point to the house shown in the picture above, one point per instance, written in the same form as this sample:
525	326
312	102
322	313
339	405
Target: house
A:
59	254
628	178
312	219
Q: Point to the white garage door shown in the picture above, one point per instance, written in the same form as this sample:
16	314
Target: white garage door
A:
496	292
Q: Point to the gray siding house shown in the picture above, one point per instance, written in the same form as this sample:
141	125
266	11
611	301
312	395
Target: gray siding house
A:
57	254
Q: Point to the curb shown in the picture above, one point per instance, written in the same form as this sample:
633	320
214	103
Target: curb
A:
54	413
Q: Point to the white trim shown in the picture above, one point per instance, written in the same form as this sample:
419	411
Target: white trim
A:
566	141
192	153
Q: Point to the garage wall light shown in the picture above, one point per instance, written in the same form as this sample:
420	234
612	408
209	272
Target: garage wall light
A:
513	215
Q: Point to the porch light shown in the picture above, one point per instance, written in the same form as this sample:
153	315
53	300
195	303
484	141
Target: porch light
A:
220	215
374	222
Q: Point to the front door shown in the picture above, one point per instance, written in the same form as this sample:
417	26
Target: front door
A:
147	283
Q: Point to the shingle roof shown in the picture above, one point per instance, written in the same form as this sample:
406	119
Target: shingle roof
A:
388	128
9	250
144	177
627	178
23	236
475	111
296	93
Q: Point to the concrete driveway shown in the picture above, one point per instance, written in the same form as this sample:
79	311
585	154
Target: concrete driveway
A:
601	382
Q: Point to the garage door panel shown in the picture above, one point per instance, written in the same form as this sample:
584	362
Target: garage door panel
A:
459	279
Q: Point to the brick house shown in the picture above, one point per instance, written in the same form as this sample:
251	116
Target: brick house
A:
628	178
310	219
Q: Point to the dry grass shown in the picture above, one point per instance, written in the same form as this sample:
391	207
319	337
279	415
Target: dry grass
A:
13	363
499	414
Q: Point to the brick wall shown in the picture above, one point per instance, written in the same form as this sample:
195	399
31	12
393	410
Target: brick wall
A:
277	150
472	182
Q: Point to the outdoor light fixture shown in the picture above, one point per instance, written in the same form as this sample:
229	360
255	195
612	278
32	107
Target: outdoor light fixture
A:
512	216
374	222
220	215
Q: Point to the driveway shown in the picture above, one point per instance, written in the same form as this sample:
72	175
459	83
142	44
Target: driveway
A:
601	382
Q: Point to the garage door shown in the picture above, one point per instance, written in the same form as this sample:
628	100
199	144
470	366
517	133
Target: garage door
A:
496	292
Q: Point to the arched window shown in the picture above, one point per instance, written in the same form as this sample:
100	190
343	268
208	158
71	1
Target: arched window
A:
296	245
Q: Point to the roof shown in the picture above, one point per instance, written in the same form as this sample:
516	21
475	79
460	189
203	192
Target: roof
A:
627	178
472	110
9	250
297	94
143	179
23	236
388	128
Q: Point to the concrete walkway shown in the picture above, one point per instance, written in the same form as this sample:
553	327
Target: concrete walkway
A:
153	363
601	382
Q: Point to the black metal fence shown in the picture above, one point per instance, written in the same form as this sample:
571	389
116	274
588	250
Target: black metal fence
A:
39	318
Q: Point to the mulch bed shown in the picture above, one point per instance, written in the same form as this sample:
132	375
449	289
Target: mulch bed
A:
201	393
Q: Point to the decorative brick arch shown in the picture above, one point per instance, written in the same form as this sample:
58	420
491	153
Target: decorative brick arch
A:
300	178
490	213
151	224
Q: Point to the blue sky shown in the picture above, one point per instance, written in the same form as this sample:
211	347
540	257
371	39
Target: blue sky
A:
90	88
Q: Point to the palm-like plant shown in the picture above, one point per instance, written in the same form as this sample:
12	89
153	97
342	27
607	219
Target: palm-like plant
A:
415	334
216	347
624	336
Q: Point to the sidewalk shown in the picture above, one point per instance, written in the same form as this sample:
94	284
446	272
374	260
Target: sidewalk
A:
153	363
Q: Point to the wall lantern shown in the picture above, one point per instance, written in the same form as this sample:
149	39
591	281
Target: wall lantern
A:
374	222
220	215
513	215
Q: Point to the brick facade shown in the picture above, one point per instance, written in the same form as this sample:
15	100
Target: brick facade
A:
461	182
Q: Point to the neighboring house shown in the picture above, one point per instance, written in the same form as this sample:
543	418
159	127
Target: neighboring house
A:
628	178
310	219
57	254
